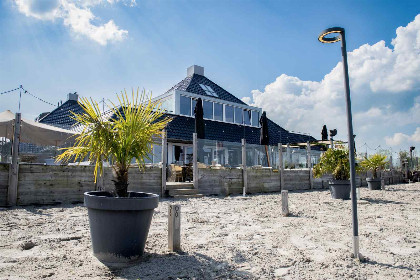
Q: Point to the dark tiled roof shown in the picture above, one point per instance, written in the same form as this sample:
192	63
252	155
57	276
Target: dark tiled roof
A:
182	128
192	84
61	116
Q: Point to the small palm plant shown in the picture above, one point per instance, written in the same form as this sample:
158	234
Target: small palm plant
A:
335	162
130	133
374	163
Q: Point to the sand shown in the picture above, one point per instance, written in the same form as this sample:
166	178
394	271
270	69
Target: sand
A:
230	238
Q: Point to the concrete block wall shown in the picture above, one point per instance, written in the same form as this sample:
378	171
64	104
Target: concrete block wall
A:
219	181
4	181
230	181
296	179
263	180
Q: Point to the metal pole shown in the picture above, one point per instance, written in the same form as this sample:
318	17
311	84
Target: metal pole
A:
244	173
351	148
195	157
164	162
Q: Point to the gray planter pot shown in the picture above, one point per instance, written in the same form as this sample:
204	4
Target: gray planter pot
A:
340	189
374	184
119	226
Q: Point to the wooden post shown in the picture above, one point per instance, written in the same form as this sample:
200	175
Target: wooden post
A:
174	227
164	161
244	173
285	203
391	167
195	157
309	161
14	167
281	166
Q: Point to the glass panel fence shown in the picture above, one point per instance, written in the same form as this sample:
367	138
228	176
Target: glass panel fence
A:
5	150
294	158
257	155
219	154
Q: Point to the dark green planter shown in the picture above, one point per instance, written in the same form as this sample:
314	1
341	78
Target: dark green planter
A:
340	189
119	226
373	184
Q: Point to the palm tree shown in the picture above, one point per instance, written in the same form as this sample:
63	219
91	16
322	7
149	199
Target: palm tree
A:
129	133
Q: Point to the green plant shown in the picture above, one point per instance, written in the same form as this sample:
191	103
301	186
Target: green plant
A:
128	134
373	163
335	162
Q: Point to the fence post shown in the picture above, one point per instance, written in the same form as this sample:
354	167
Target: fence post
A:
195	156
164	161
174	227
309	161
285	203
244	173
281	167
288	155
390	163
14	167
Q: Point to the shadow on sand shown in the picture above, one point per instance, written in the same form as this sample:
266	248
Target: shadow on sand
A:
381	201
372	262
180	265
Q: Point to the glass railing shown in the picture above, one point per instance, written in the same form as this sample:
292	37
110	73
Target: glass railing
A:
219	154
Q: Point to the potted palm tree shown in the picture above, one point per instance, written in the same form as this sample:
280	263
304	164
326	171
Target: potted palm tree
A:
120	219
373	163
335	162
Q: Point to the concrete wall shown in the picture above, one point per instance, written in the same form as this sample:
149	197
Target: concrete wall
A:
263	180
4	181
230	181
51	184
296	179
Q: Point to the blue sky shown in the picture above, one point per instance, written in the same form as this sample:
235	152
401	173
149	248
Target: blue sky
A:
243	45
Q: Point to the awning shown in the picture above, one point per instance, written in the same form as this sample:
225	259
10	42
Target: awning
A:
34	132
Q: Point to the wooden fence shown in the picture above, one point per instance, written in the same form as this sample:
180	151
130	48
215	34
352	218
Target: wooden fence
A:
53	184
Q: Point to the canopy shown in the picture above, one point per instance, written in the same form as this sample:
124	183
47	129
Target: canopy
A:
34	132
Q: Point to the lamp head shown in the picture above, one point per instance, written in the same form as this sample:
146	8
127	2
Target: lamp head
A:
322	36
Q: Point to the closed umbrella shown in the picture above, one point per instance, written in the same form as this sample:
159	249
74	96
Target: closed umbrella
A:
264	138
199	121
324	133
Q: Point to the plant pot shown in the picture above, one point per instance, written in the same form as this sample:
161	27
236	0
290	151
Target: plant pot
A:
340	189
119	225
373	184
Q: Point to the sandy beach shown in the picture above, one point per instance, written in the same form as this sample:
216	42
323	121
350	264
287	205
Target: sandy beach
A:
230	238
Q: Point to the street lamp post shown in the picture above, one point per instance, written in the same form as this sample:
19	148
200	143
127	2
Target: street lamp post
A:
341	37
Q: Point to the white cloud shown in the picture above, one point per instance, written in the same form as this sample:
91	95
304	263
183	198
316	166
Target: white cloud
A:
380	77
399	139
44	10
76	15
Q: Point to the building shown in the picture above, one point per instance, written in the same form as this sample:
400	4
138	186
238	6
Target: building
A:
227	121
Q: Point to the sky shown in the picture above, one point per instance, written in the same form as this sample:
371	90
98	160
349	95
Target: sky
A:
264	52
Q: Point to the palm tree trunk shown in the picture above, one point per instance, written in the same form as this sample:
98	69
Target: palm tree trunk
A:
121	180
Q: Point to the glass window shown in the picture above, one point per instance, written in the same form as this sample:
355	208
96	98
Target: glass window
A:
208	109
228	113
208	90
185	105
168	104
247	117
238	115
218	112
193	103
255	118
